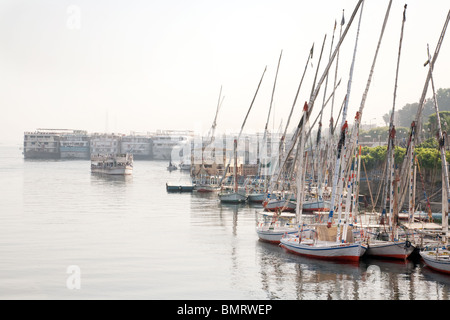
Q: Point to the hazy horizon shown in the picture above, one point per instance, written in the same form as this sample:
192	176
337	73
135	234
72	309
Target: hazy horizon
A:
116	66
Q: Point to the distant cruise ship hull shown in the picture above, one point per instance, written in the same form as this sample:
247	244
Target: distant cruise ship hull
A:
74	152
41	144
32	154
138	156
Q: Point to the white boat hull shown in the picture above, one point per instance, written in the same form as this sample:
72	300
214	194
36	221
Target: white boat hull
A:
439	263
316	205
207	188
114	171
390	249
274	235
256	197
328	250
232	197
117	164
185	167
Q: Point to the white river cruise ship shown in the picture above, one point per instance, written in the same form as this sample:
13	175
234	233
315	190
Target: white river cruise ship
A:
139	145
42	144
165	140
105	143
75	145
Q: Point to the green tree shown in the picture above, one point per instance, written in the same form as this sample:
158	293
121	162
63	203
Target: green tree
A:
387	118
432	122
443	99
406	115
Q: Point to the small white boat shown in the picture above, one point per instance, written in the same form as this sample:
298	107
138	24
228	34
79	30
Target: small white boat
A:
316	205
185	166
328	250
390	249
256	197
272	227
207	188
171	167
117	164
283	205
232	197
437	259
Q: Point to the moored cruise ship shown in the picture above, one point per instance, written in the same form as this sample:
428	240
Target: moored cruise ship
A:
165	140
139	145
75	145
105	143
42	144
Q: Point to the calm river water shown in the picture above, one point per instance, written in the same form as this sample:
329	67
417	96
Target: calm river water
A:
67	234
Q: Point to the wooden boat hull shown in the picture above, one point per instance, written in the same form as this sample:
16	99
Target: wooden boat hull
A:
326	250
390	249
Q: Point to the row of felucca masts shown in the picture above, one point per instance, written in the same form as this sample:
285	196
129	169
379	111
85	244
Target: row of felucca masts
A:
331	185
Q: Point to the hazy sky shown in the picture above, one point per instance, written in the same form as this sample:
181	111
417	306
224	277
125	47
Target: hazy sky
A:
145	65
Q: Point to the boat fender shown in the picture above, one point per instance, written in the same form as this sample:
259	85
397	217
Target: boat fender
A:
407	244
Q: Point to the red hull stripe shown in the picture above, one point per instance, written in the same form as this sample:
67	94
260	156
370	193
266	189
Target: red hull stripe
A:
391	256
269	241
440	270
335	258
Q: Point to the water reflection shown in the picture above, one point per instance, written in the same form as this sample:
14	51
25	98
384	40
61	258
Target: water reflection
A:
287	276
263	268
306	278
111	179
442	279
116	225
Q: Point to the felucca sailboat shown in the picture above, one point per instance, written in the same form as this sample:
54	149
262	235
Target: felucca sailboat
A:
323	246
392	247
439	258
235	195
